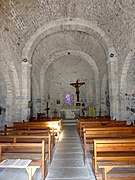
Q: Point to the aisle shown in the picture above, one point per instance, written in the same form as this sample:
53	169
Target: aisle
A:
68	158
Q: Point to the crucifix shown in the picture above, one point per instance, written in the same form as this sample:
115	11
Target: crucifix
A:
47	110
77	85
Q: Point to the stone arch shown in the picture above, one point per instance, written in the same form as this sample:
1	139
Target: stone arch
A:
17	95
81	54
9	97
12	110
123	84
84	26
66	24
15	77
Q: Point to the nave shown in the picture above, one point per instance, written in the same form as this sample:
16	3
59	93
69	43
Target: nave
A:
110	143
67	161
68	158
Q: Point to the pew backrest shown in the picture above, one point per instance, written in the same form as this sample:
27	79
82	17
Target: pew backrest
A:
100	124
90	134
114	150
25	148
38	125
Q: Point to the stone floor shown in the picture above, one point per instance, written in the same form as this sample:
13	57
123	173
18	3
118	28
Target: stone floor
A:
67	161
68	158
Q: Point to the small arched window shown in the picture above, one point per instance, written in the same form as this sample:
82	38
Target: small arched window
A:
68	99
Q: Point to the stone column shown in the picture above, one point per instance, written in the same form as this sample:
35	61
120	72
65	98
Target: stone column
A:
8	117
26	90
38	104
43	104
18	107
113	86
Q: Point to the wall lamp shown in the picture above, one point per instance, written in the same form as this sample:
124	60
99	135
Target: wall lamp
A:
24	60
111	55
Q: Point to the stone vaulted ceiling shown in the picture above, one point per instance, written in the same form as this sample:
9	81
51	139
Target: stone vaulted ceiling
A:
22	20
69	41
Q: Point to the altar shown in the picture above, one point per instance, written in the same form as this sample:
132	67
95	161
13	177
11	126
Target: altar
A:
70	113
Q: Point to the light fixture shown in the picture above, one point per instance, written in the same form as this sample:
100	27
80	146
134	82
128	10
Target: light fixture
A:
24	60
111	55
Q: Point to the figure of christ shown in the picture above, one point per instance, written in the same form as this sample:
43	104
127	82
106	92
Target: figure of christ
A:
77	85
47	110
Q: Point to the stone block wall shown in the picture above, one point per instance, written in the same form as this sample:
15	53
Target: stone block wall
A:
38	31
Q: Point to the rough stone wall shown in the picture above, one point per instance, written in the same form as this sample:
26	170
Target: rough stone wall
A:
105	102
58	77
131	90
69	40
127	89
3	94
19	20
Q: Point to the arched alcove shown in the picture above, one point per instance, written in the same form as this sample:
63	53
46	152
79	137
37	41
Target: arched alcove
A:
58	76
127	90
101	45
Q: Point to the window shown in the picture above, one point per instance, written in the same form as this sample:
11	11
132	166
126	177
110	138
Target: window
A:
68	99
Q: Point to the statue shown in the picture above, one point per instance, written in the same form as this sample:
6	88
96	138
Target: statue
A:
77	85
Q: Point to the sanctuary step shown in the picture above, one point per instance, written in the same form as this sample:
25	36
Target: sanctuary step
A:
69	121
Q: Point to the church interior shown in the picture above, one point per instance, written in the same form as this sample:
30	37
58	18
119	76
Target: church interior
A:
66	67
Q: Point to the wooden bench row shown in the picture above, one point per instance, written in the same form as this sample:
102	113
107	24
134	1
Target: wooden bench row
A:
36	148
106	150
111	123
55	124
27	133
54	119
114	153
30	131
97	119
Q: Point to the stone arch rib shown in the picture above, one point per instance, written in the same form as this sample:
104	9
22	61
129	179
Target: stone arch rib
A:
84	26
123	84
81	54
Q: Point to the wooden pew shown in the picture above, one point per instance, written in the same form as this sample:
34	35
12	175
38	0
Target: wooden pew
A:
89	134
54	126
91	119
99	124
39	125
58	119
114	153
30	138
30	132
24	147
21	129
94	118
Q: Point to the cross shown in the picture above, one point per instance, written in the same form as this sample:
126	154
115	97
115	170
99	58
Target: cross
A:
77	85
47	110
